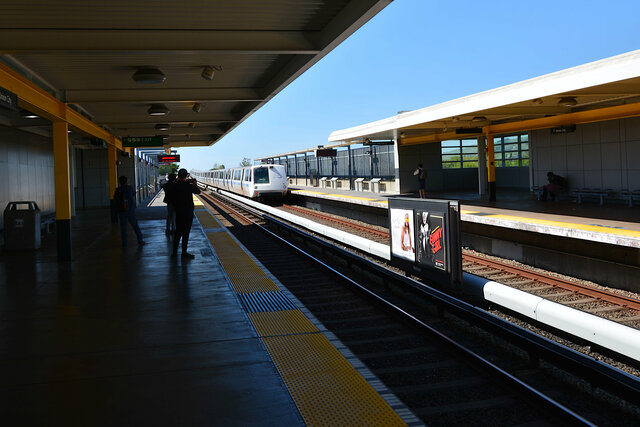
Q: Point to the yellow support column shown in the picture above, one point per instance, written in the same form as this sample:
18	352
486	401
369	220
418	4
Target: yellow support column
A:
112	158
62	187
491	168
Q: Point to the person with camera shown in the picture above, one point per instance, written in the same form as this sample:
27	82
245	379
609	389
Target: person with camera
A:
182	201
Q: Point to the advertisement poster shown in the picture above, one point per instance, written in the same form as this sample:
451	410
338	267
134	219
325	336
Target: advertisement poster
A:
430	244
402	234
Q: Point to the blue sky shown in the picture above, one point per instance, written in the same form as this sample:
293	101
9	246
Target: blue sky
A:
417	53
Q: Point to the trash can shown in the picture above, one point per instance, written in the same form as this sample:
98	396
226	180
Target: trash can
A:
21	226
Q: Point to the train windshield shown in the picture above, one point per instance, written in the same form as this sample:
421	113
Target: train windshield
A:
261	176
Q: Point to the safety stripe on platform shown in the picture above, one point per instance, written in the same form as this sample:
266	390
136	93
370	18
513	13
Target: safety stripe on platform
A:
206	220
310	362
326	388
561	224
273	323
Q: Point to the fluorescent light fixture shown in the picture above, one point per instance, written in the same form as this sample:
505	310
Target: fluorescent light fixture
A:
158	110
148	75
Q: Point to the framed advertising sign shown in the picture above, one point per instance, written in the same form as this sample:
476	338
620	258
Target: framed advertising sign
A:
425	239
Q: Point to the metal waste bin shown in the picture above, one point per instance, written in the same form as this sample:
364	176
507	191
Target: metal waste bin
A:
21	226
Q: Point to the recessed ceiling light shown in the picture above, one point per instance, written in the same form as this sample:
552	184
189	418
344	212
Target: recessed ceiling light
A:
148	75
197	107
479	119
163	126
28	115
158	110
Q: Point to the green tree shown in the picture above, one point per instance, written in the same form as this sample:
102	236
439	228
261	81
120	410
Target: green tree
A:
216	166
245	161
168	168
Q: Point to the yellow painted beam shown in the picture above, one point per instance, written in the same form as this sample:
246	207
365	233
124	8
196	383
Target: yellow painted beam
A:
37	100
491	159
436	137
597	115
61	170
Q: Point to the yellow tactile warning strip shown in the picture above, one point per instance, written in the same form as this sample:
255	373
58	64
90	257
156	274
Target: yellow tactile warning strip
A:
244	273
562	224
284	322
196	202
325	387
310	362
206	220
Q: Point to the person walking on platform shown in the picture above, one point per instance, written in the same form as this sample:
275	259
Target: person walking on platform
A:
124	199
171	210
182	199
422	179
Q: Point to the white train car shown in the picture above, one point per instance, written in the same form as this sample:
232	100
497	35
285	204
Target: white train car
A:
255	182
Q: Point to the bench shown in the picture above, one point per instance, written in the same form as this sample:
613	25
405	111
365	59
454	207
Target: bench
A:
630	196
375	184
591	192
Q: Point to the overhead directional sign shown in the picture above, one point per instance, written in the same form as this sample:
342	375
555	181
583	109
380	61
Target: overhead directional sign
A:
142	141
164	158
326	152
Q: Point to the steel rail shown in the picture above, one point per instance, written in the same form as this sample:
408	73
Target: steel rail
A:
557	282
541	399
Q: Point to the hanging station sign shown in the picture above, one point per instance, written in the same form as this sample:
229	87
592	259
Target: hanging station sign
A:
326	152
142	141
8	99
425	238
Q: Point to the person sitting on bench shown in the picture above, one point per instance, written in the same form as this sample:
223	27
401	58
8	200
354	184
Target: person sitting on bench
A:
556	183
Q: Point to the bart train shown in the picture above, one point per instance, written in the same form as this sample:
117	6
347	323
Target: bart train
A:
255	182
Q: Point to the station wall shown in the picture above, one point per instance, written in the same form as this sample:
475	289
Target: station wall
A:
602	155
91	186
26	170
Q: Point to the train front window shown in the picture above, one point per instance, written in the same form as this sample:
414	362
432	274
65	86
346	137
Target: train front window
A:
261	176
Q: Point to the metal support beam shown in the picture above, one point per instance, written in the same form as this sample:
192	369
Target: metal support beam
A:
32	98
260	42
62	189
597	115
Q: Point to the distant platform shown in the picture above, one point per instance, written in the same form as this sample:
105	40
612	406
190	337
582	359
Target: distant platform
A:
615	224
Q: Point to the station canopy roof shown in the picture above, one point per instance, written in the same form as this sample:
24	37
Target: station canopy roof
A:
601	90
221	60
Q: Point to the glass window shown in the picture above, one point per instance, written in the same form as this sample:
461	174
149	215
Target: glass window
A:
524	137
261	176
451	158
511	163
469	157
511	147
450	150
450	165
510	139
466	150
470	165
469	143
452	143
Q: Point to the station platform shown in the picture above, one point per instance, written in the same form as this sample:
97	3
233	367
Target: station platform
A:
128	335
615	223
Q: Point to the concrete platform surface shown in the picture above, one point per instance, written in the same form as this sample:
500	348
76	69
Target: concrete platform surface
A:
127	336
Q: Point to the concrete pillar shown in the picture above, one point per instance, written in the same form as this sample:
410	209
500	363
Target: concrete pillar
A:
112	160
63	190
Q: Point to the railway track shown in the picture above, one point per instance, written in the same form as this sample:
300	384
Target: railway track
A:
428	358
619	308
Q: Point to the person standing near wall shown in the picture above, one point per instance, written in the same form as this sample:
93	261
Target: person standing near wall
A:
422	180
182	200
125	201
